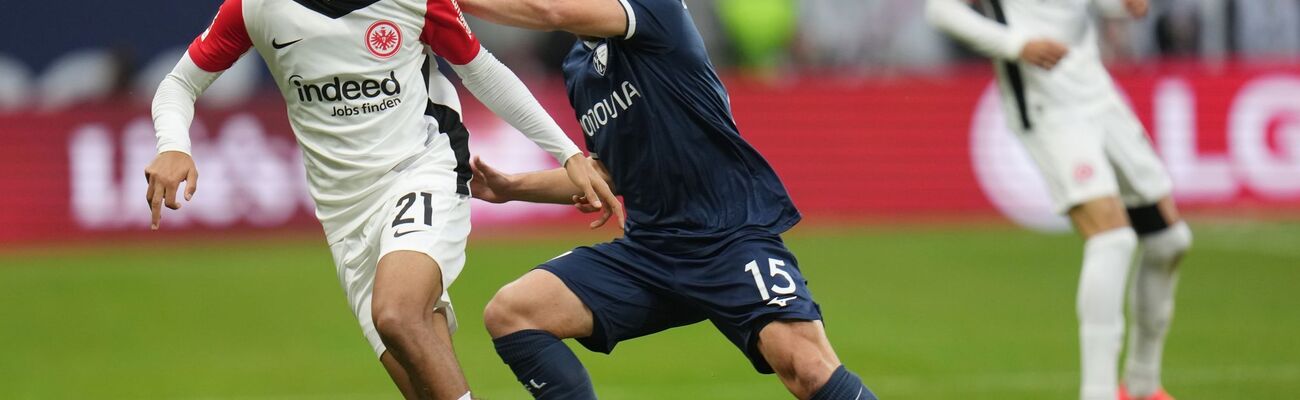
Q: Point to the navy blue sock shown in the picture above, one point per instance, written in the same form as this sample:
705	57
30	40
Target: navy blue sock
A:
843	385
544	365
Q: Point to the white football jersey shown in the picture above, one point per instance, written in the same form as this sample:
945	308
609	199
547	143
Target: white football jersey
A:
355	78
1079	85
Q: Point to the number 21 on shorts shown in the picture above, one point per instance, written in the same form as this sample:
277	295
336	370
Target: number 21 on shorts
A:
777	274
405	203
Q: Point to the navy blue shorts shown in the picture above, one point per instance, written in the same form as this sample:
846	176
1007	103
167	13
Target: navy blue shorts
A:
634	291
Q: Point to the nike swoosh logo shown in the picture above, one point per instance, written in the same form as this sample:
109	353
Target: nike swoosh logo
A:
400	234
278	46
536	385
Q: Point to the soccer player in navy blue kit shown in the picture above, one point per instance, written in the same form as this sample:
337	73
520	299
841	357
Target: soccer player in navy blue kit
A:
705	212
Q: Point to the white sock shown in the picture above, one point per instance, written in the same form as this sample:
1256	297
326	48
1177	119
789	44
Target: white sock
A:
1152	306
465	396
1100	304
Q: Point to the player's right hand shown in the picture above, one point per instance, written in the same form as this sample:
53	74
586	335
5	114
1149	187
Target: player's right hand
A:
582	171
164	176
1044	53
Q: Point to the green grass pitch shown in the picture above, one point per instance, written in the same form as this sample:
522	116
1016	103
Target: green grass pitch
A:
921	312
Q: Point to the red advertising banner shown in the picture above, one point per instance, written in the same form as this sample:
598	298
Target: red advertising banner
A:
901	148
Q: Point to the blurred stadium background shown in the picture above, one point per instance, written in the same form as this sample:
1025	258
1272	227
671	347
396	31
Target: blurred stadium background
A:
927	236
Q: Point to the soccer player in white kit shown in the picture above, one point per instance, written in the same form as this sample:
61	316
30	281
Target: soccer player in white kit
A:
1100	169
385	150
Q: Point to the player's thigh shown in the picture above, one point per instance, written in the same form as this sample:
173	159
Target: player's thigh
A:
405	282
422	239
1072	160
1169	210
626	294
537	300
431	223
752	283
1098	215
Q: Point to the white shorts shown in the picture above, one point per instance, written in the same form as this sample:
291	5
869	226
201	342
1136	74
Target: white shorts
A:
1107	155
422	213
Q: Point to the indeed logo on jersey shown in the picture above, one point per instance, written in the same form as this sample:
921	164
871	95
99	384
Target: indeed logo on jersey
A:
609	109
337	89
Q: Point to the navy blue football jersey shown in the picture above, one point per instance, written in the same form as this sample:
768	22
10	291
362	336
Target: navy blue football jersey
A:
654	112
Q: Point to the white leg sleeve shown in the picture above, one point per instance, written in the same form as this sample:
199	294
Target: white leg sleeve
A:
1106	259
1152	305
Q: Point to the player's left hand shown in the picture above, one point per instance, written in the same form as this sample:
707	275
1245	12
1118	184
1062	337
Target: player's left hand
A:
582	171
1137	8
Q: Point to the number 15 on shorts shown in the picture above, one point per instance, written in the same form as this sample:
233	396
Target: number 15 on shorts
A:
777	274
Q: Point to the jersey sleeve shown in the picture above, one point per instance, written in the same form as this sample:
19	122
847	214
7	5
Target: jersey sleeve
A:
221	45
655	24
447	34
986	36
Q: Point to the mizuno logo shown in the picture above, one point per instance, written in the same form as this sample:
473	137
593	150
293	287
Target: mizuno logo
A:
278	46
781	301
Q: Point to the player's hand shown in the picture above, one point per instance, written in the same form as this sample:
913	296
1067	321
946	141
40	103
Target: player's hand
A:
1137	8
164	176
584	205
582	171
1044	53
489	184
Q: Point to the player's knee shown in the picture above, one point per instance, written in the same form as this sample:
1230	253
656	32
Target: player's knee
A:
805	372
396	323
1164	241
798	354
506	313
1167	246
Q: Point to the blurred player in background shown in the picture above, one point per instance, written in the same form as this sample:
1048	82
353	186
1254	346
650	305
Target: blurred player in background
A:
705	212
1100	169
386	153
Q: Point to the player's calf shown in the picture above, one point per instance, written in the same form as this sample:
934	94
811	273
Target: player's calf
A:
527	320
803	359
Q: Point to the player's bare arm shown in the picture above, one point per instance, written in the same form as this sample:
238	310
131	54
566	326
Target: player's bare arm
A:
596	18
553	186
502	92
